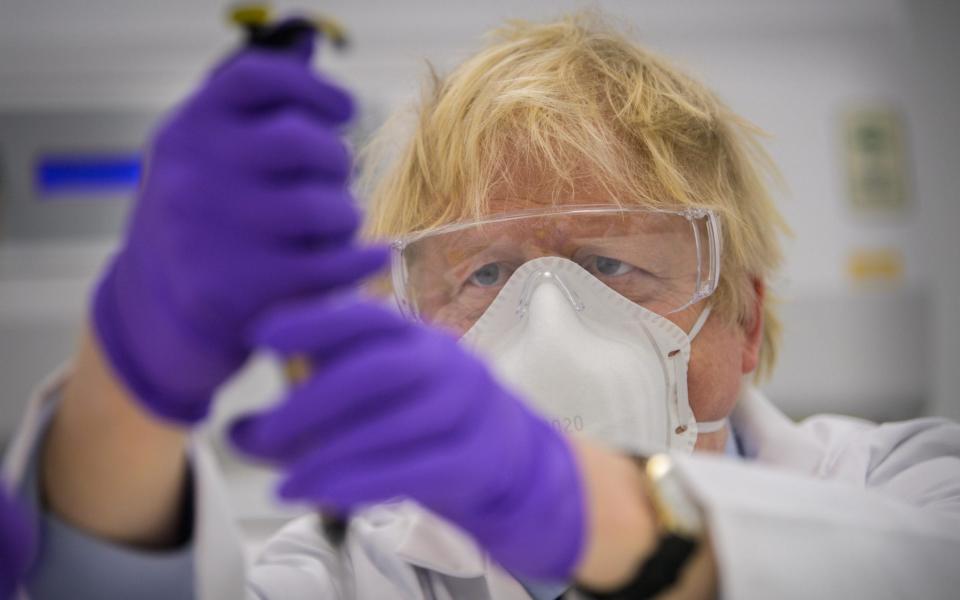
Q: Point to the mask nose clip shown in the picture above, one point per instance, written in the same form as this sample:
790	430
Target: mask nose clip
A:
546	276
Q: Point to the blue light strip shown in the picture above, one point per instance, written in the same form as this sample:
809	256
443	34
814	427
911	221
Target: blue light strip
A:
86	174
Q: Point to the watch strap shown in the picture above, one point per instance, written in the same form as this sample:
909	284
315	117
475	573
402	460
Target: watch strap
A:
660	571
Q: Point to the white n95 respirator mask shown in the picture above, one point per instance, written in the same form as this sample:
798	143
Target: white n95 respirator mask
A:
590	360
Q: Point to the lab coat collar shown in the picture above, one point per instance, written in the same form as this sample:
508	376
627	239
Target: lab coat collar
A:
769	436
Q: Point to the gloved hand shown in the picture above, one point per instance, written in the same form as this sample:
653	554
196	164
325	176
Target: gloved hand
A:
244	206
399	409
17	545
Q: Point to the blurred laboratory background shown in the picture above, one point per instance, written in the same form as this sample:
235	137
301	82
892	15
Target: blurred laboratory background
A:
859	98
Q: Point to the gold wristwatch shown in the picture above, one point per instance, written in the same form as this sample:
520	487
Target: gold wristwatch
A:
676	510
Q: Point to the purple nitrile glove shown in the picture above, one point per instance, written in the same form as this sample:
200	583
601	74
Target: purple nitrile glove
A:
17	545
400	409
244	205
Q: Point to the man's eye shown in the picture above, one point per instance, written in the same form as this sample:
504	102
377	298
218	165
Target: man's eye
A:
488	275
611	267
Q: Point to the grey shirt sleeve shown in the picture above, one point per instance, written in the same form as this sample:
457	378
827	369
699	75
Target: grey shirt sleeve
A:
72	564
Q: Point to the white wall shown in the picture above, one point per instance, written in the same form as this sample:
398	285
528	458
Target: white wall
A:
791	67
934	88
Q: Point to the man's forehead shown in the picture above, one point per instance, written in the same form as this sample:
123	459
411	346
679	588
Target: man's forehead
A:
540	196
555	227
505	205
527	188
527	184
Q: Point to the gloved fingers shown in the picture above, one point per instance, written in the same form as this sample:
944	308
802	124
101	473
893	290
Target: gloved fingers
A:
275	212
303	210
418	414
473	468
294	274
462	412
323	327
417	471
336	268
433	402
309	424
229	278
263	81
290	144
341	396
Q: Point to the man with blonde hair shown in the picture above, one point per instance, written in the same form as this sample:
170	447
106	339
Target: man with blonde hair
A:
580	240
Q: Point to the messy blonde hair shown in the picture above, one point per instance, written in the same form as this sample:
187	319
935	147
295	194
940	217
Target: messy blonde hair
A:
575	100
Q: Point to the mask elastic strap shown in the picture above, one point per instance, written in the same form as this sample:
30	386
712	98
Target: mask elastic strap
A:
701	320
703	426
710	426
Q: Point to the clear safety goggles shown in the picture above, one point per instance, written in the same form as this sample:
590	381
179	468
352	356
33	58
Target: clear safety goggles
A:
663	260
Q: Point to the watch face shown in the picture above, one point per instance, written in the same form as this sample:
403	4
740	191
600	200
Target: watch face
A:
679	511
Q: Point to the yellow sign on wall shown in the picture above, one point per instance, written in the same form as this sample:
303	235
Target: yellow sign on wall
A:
876	265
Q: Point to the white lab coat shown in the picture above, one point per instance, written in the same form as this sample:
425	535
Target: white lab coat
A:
830	508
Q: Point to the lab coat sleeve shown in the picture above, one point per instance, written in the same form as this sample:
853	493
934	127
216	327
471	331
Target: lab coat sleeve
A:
73	564
298	562
878	516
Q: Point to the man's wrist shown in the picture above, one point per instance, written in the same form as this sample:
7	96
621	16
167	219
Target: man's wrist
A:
621	524
108	467
681	544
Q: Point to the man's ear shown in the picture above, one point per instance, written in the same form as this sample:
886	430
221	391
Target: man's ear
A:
753	329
